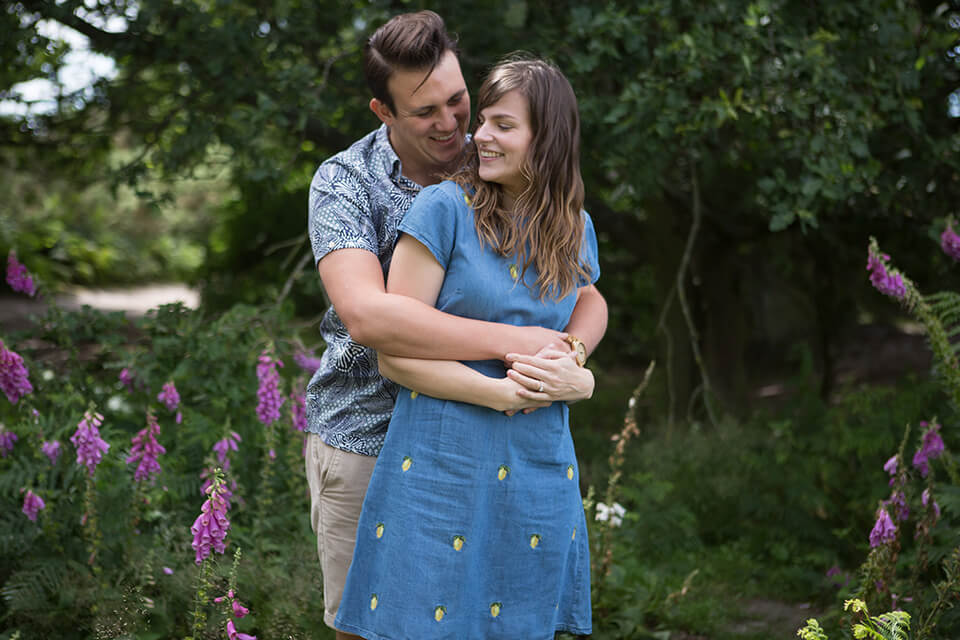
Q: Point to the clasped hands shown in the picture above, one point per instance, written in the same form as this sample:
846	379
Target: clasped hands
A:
552	375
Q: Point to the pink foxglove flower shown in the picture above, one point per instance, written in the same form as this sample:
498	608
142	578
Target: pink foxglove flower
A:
14	378
169	396
930	449
126	378
51	449
17	276
167	571
929	501
950	241
223	447
32	503
884	279
298	411
307	361
898	504
268	391
211	526
7	440
233	634
146	449
883	530
90	446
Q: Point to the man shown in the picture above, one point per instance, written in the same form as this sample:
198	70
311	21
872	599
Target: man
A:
357	198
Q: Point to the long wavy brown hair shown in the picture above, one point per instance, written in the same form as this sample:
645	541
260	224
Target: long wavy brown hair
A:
544	227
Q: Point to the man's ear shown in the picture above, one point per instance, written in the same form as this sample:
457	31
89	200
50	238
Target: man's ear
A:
382	111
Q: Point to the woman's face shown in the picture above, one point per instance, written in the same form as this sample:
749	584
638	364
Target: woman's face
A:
503	137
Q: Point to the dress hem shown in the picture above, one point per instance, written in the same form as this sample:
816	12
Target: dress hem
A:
373	635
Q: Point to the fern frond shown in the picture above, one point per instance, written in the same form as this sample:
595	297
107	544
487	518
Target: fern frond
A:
887	626
29	589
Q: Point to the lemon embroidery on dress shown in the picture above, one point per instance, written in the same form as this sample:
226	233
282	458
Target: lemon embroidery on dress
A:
514	271
466	199
570	472
373	601
495	608
534	540
379	530
574	536
407	461
502	472
458	542
438	613
413	395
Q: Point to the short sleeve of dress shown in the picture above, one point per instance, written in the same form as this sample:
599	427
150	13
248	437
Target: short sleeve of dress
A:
432	219
589	253
339	212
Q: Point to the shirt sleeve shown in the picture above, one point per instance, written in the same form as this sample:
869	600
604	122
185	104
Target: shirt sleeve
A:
589	253
339	214
432	219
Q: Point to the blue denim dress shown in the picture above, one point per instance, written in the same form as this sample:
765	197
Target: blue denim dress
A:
473	525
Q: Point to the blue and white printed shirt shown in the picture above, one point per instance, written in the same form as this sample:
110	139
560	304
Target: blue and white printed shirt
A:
357	199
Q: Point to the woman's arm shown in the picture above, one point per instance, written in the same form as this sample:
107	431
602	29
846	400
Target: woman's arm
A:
452	380
415	272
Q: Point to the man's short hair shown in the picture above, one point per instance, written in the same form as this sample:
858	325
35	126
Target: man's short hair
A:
409	41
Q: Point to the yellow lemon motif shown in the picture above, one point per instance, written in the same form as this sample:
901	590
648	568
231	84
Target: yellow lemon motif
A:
438	613
413	395
514	272
379	529
495	609
407	461
466	199
534	540
570	472
502	472
574	536
373	602
458	542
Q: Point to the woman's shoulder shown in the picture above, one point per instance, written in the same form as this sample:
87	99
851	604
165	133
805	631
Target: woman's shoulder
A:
447	189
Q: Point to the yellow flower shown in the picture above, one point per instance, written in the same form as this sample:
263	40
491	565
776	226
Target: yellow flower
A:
534	540
514	271
413	395
570	472
458	542
438	613
495	609
379	529
502	471
407	461
373	601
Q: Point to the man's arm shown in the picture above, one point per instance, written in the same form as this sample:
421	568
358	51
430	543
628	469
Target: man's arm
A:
404	326
589	319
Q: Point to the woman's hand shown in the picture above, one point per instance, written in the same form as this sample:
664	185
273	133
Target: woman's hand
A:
550	376
510	399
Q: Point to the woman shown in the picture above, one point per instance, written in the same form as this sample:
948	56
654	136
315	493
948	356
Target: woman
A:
473	525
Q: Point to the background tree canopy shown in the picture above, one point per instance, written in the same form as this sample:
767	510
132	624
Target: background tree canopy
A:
772	137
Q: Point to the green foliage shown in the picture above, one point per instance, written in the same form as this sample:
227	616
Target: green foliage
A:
92	564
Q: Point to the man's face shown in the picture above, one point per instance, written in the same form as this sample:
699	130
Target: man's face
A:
430	118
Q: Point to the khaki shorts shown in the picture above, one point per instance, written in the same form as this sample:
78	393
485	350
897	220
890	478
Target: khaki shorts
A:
338	482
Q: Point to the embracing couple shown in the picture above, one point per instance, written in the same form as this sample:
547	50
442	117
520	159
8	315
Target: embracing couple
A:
461	274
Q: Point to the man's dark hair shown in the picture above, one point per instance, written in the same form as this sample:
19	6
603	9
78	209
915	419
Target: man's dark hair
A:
409	41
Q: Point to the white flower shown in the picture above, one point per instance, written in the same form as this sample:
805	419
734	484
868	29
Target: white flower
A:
612	513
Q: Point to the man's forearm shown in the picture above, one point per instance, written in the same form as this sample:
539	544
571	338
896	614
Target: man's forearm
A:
589	319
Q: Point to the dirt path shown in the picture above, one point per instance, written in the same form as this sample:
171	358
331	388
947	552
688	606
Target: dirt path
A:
16	309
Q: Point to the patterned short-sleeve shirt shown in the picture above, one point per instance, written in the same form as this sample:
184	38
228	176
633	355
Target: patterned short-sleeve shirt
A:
357	199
